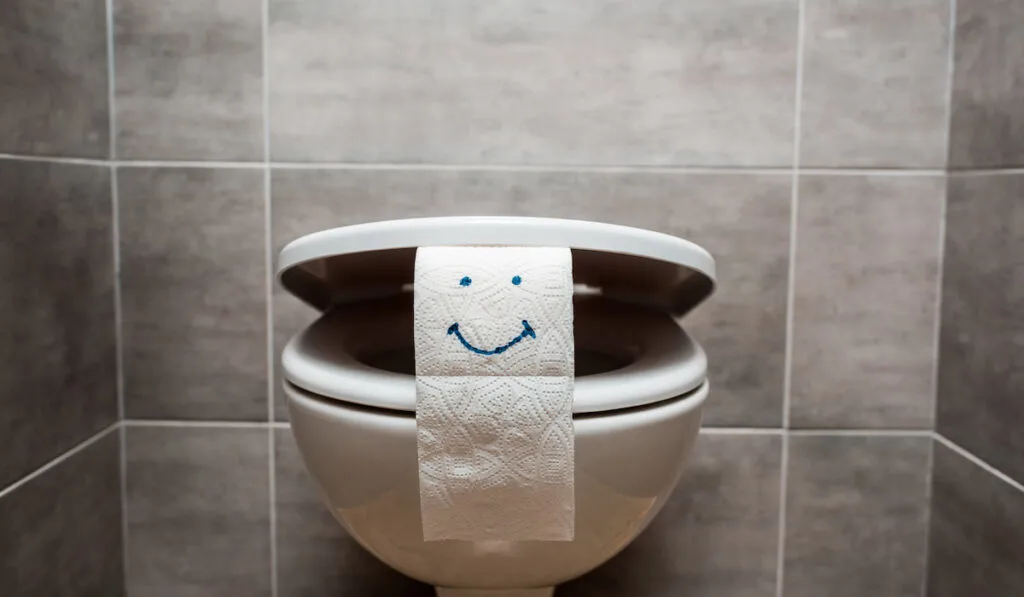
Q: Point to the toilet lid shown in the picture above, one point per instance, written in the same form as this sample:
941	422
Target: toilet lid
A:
353	263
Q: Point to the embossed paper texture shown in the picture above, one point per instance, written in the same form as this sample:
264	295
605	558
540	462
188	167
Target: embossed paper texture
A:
494	364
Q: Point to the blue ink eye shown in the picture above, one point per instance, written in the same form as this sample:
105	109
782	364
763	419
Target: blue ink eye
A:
465	281
517	280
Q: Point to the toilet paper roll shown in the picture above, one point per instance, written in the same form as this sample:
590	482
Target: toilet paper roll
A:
494	379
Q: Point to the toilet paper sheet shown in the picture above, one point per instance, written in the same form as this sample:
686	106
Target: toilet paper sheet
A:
494	379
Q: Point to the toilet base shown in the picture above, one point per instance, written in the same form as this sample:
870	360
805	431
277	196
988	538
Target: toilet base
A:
541	592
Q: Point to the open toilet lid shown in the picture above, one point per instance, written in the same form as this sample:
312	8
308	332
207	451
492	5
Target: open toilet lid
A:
364	261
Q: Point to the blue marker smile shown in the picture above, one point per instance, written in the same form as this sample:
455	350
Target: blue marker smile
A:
527	332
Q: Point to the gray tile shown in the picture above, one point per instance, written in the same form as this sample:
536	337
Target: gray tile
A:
60	533
875	83
605	82
58	384
189	79
981	372
315	556
987	125
193	291
742	219
717	536
856	516
198	503
53	73
865	301
977	531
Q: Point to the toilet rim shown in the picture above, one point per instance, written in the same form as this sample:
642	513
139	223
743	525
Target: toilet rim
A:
667	362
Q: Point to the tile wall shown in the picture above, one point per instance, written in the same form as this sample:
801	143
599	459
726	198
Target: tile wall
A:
977	525
60	506
803	142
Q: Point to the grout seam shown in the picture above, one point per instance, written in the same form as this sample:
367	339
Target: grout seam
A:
787	381
59	459
928	491
976	172
53	160
965	453
584	168
268	295
950	74
939	281
204	423
860	432
742	430
111	84
115	201
705	430
122	432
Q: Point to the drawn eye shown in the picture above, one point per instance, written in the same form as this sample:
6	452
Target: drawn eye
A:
465	281
517	280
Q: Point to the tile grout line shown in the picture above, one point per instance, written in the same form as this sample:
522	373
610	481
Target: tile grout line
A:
705	430
59	459
928	492
940	280
950	73
14	157
977	461
787	377
204	423
584	168
742	430
115	200
268	295
859	432
1015	171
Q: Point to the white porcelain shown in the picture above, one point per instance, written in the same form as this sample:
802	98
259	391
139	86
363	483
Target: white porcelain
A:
664	362
364	461
638	395
353	263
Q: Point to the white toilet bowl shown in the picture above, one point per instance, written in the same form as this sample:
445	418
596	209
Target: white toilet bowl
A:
638	395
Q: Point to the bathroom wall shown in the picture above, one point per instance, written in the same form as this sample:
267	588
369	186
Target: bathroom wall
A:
60	506
977	526
802	142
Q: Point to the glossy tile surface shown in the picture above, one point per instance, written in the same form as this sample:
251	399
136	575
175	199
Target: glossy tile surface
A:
198	502
742	219
875	83
977	531
987	125
193	293
717	535
58	377
53	78
856	516
539	82
866	297
189	79
60	533
315	556
981	374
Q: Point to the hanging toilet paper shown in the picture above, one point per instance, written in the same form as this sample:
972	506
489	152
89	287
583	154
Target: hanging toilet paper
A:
494	385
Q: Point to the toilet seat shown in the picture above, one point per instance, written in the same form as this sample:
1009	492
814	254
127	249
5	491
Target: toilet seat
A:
361	276
330	358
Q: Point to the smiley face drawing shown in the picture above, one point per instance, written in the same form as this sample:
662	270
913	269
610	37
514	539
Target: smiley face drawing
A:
493	311
527	332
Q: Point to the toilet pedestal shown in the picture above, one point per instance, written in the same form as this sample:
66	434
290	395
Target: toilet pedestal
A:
541	592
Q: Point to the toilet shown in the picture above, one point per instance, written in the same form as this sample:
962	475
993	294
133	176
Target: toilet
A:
639	390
